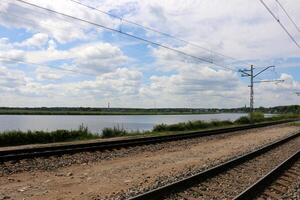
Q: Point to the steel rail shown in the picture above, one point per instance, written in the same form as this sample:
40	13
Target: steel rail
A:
255	189
181	185
17	154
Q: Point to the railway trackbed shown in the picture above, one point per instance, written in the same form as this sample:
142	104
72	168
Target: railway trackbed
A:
234	179
283	182
17	154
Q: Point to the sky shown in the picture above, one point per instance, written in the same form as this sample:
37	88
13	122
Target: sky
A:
47	59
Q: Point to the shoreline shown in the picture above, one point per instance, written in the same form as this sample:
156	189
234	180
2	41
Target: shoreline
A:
117	114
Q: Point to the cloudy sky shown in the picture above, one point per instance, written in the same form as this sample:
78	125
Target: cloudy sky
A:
48	59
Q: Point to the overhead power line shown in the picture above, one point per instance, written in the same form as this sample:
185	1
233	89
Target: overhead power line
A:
126	34
154	30
43	65
287	14
279	22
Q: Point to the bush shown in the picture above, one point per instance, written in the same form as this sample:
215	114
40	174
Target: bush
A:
251	118
190	125
160	127
243	120
216	123
113	132
256	117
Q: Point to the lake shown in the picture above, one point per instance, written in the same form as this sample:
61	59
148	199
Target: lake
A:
96	123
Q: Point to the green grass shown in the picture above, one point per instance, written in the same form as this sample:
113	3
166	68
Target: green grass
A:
190	125
295	124
257	117
13	138
164	129
113	132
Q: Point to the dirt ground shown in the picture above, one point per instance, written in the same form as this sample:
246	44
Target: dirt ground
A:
92	180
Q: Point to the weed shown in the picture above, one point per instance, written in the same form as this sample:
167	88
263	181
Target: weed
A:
17	137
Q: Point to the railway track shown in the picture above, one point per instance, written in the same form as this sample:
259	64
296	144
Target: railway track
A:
278	183
18	154
238	178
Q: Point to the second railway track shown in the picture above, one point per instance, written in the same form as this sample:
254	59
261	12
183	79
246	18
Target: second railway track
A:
229	180
18	154
283	182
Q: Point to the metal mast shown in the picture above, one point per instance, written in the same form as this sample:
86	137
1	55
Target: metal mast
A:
251	90
250	73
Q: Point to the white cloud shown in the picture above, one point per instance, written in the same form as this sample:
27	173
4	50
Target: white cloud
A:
16	14
92	58
194	83
99	57
46	73
89	57
241	29
38	40
11	79
272	94
8	51
167	60
122	82
288	86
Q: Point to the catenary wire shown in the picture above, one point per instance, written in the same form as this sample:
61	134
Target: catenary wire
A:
288	15
154	30
126	34
25	20
43	65
279	22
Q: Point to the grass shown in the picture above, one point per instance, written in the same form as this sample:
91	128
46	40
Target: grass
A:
162	129
191	125
12	138
295	124
113	132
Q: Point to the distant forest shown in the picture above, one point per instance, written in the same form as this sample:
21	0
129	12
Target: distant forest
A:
141	111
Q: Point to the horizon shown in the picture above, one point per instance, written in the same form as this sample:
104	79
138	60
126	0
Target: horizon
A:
154	108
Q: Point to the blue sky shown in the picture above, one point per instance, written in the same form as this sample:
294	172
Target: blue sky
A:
50	60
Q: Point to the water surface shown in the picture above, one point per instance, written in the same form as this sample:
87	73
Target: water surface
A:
96	123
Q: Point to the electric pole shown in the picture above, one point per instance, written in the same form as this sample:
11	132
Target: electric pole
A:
250	73
251	89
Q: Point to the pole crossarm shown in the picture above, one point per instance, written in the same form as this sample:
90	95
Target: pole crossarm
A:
263	71
269	81
244	72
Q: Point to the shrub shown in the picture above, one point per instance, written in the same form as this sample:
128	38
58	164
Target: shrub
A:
113	132
288	116
242	120
160	127
256	117
216	123
190	125
251	118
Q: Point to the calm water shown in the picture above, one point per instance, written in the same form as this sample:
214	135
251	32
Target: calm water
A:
97	122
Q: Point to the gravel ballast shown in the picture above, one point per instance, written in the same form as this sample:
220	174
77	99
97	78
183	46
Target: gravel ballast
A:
229	184
99	175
